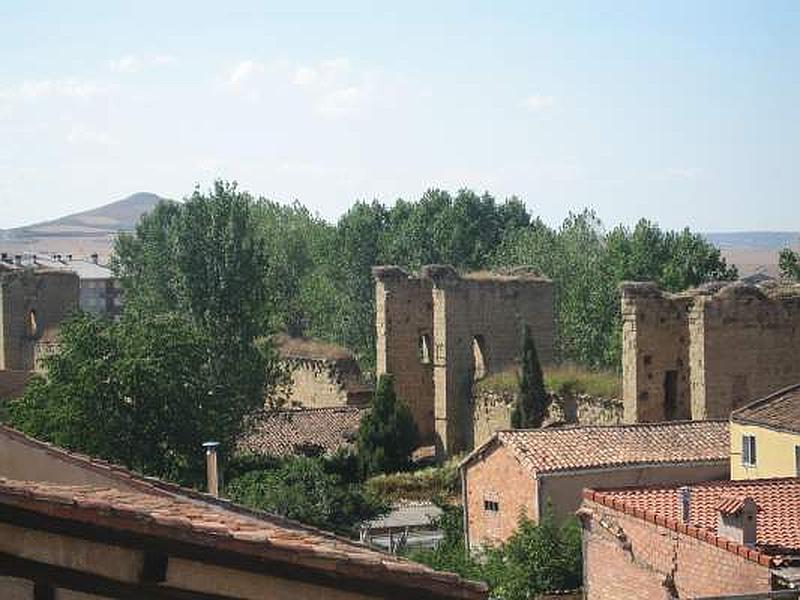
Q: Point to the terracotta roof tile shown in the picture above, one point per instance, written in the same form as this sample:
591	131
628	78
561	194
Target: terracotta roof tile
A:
213	526
591	447
778	522
780	410
287	432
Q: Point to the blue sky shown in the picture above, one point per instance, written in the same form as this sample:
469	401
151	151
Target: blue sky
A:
682	112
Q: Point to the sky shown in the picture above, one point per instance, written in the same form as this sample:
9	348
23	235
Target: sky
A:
683	112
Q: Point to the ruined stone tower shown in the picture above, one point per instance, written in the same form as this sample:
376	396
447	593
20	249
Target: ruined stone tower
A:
702	353
437	332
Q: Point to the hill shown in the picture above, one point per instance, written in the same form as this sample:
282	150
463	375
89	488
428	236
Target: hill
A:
754	240
106	220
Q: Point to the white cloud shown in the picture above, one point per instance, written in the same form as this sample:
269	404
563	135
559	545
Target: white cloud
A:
44	88
325	74
538	102
244	72
342	102
134	64
85	136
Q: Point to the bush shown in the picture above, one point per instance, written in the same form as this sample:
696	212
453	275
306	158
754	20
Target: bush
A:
430	484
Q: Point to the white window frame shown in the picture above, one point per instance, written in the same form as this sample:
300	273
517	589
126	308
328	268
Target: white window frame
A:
749	450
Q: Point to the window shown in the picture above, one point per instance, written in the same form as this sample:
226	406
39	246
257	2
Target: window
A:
671	394
478	357
491	505
33	324
425	349
748	450
797	461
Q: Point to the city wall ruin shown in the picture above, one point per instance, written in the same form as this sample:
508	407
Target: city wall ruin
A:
32	306
703	353
439	331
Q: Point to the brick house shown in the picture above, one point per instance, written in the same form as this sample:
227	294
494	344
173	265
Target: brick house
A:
705	540
522	471
75	527
765	437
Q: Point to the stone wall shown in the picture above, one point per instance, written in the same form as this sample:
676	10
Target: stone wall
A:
439	331
703	353
491	411
324	384
32	306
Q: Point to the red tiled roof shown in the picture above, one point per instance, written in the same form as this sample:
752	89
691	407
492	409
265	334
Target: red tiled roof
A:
592	447
206	525
729	505
778	522
287	432
780	410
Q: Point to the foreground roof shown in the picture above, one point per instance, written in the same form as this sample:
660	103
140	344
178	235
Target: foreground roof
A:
287	432
780	410
592	447
778	500
212	527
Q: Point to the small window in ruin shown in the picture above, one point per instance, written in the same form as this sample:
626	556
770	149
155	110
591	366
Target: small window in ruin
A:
33	326
670	394
425	349
491	505
479	357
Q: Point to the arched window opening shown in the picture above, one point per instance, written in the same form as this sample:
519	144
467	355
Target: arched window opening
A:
425	356
33	325
479	357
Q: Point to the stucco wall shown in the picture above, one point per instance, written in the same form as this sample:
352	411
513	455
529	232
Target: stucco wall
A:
497	477
775	453
563	491
50	295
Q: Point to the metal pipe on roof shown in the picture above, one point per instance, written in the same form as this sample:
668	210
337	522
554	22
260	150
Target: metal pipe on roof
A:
212	473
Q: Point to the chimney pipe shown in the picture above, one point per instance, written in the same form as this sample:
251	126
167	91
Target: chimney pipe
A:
684	502
18	260
95	258
211	467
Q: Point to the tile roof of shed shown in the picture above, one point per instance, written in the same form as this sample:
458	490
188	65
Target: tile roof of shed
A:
777	524
287	432
591	447
254	534
779	410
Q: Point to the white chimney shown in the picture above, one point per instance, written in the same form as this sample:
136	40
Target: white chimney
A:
737	519
211	467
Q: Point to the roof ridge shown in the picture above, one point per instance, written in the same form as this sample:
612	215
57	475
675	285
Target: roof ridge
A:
570	427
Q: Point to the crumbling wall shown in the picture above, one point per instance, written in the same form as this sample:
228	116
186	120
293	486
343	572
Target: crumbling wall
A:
655	356
439	331
324	384
750	347
32	306
726	345
404	317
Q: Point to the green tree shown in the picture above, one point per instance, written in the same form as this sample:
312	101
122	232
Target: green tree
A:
141	392
532	400
387	435
789	263
206	260
308	490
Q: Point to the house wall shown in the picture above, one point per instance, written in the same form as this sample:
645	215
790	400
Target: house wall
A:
562	491
775	453
23	460
497	476
626	558
51	295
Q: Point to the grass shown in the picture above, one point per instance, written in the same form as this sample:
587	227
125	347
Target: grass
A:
430	483
562	379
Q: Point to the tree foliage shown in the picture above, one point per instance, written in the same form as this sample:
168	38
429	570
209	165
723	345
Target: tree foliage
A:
532	400
387	434
537	558
141	392
789	264
311	490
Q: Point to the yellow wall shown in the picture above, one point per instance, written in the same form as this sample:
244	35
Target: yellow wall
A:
775	453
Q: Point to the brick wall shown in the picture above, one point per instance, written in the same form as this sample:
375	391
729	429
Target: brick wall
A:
497	477
627	558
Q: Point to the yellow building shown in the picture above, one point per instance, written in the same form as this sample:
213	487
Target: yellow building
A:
765	437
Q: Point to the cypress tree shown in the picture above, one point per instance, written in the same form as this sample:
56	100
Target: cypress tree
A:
387	435
532	399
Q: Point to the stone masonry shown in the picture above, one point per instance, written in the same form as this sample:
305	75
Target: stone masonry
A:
438	331
703	353
32	305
